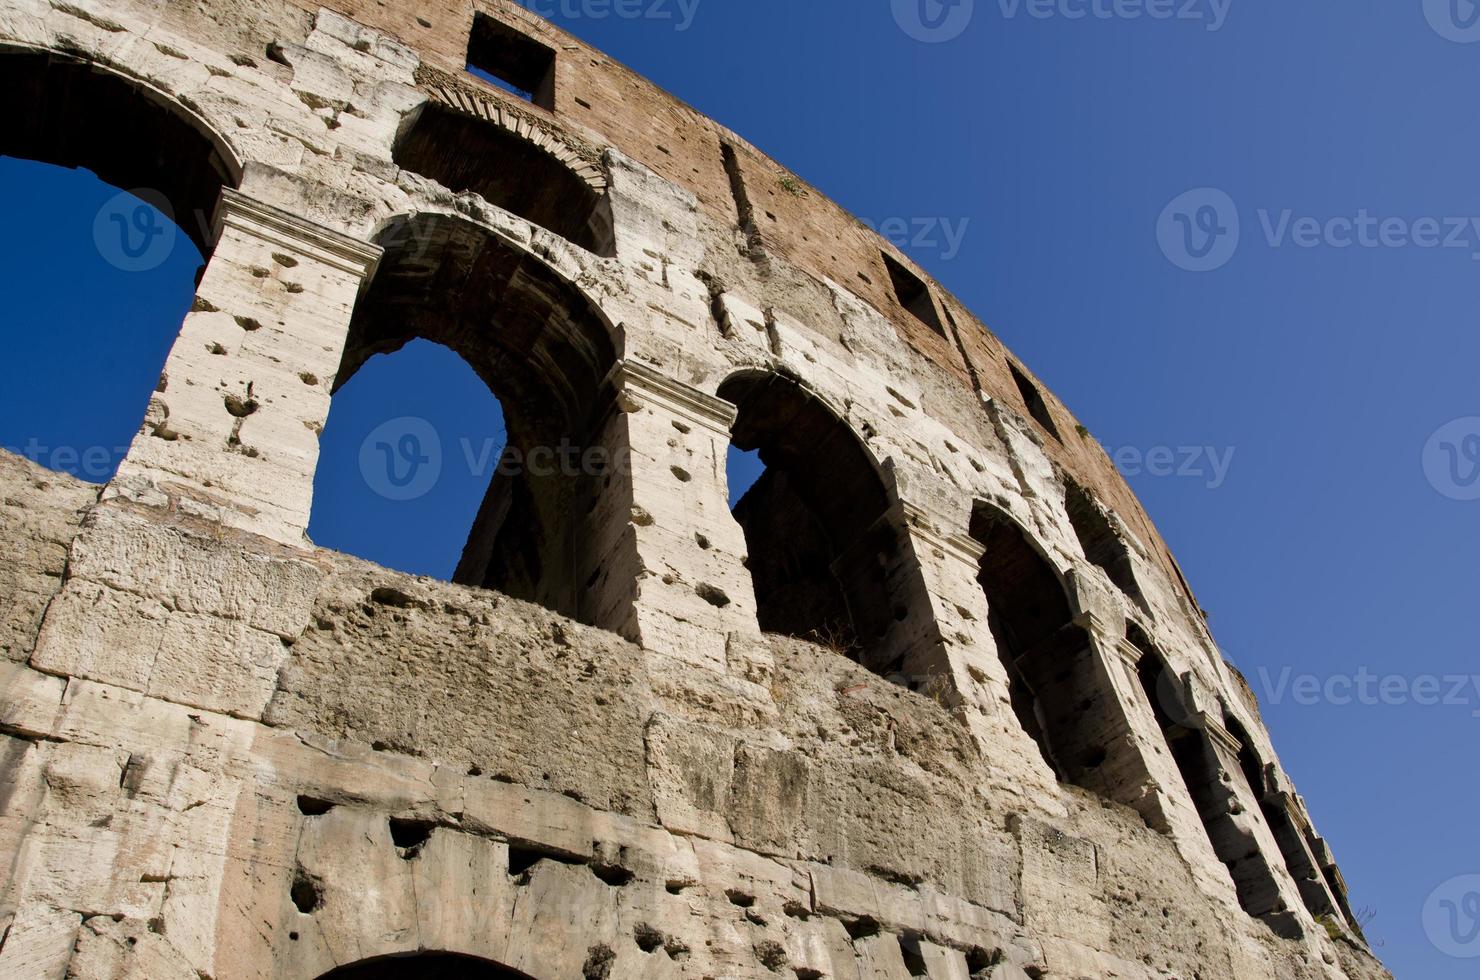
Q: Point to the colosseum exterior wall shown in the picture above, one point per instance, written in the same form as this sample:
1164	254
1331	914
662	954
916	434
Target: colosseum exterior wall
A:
620	752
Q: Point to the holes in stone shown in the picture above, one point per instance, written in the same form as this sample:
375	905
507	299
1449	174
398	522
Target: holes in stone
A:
276	54
598	965
612	874
1094	759
308	378
240	408
408	835
522	859
807	973
582	102
912	293
306	894
797	910
737	897
861	928
647	938
311	806
293	936
771	954
248	324
714	596
286	261
512	61
979	960
914	961
676	887
681	474
1033	400
702	541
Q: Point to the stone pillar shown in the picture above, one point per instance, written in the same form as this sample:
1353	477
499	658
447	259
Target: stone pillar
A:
232	429
692	589
963	668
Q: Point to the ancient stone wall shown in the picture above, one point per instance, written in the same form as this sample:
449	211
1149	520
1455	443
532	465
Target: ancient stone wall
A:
1015	750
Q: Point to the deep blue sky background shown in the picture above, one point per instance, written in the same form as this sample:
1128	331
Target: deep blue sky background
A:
1059	142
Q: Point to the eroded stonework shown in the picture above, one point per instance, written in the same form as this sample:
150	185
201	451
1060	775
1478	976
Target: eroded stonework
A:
934	701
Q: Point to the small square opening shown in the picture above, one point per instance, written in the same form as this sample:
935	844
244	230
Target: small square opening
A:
913	294
1033	400
512	60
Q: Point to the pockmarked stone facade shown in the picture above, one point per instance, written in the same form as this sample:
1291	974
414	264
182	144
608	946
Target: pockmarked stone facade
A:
932	701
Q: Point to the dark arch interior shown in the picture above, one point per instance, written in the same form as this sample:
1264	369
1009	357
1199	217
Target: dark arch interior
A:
1101	542
1051	680
546	354
826	555
1215	799
424	966
465	153
74	114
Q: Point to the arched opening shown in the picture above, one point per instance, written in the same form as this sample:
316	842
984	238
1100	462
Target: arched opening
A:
425	966
114	186
828	557
555	508
1054	686
1287	836
1101	541
1213	791
415	439
468	153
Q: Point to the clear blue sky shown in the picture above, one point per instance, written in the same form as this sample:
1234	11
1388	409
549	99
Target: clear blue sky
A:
1326	549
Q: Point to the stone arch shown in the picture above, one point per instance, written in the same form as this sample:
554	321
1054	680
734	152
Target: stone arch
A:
468	143
67	111
550	527
1206	760
1315	890
830	558
1057	683
425	966
1103	541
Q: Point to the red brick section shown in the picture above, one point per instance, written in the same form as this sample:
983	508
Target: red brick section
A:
795	221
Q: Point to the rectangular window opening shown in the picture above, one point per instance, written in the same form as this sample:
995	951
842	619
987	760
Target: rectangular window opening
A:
1033	399
913	294
512	60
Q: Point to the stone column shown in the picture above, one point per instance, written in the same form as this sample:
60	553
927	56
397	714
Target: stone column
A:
963	668
692	590
232	429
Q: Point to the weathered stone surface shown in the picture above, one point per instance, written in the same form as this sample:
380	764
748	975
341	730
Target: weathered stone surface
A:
228	753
